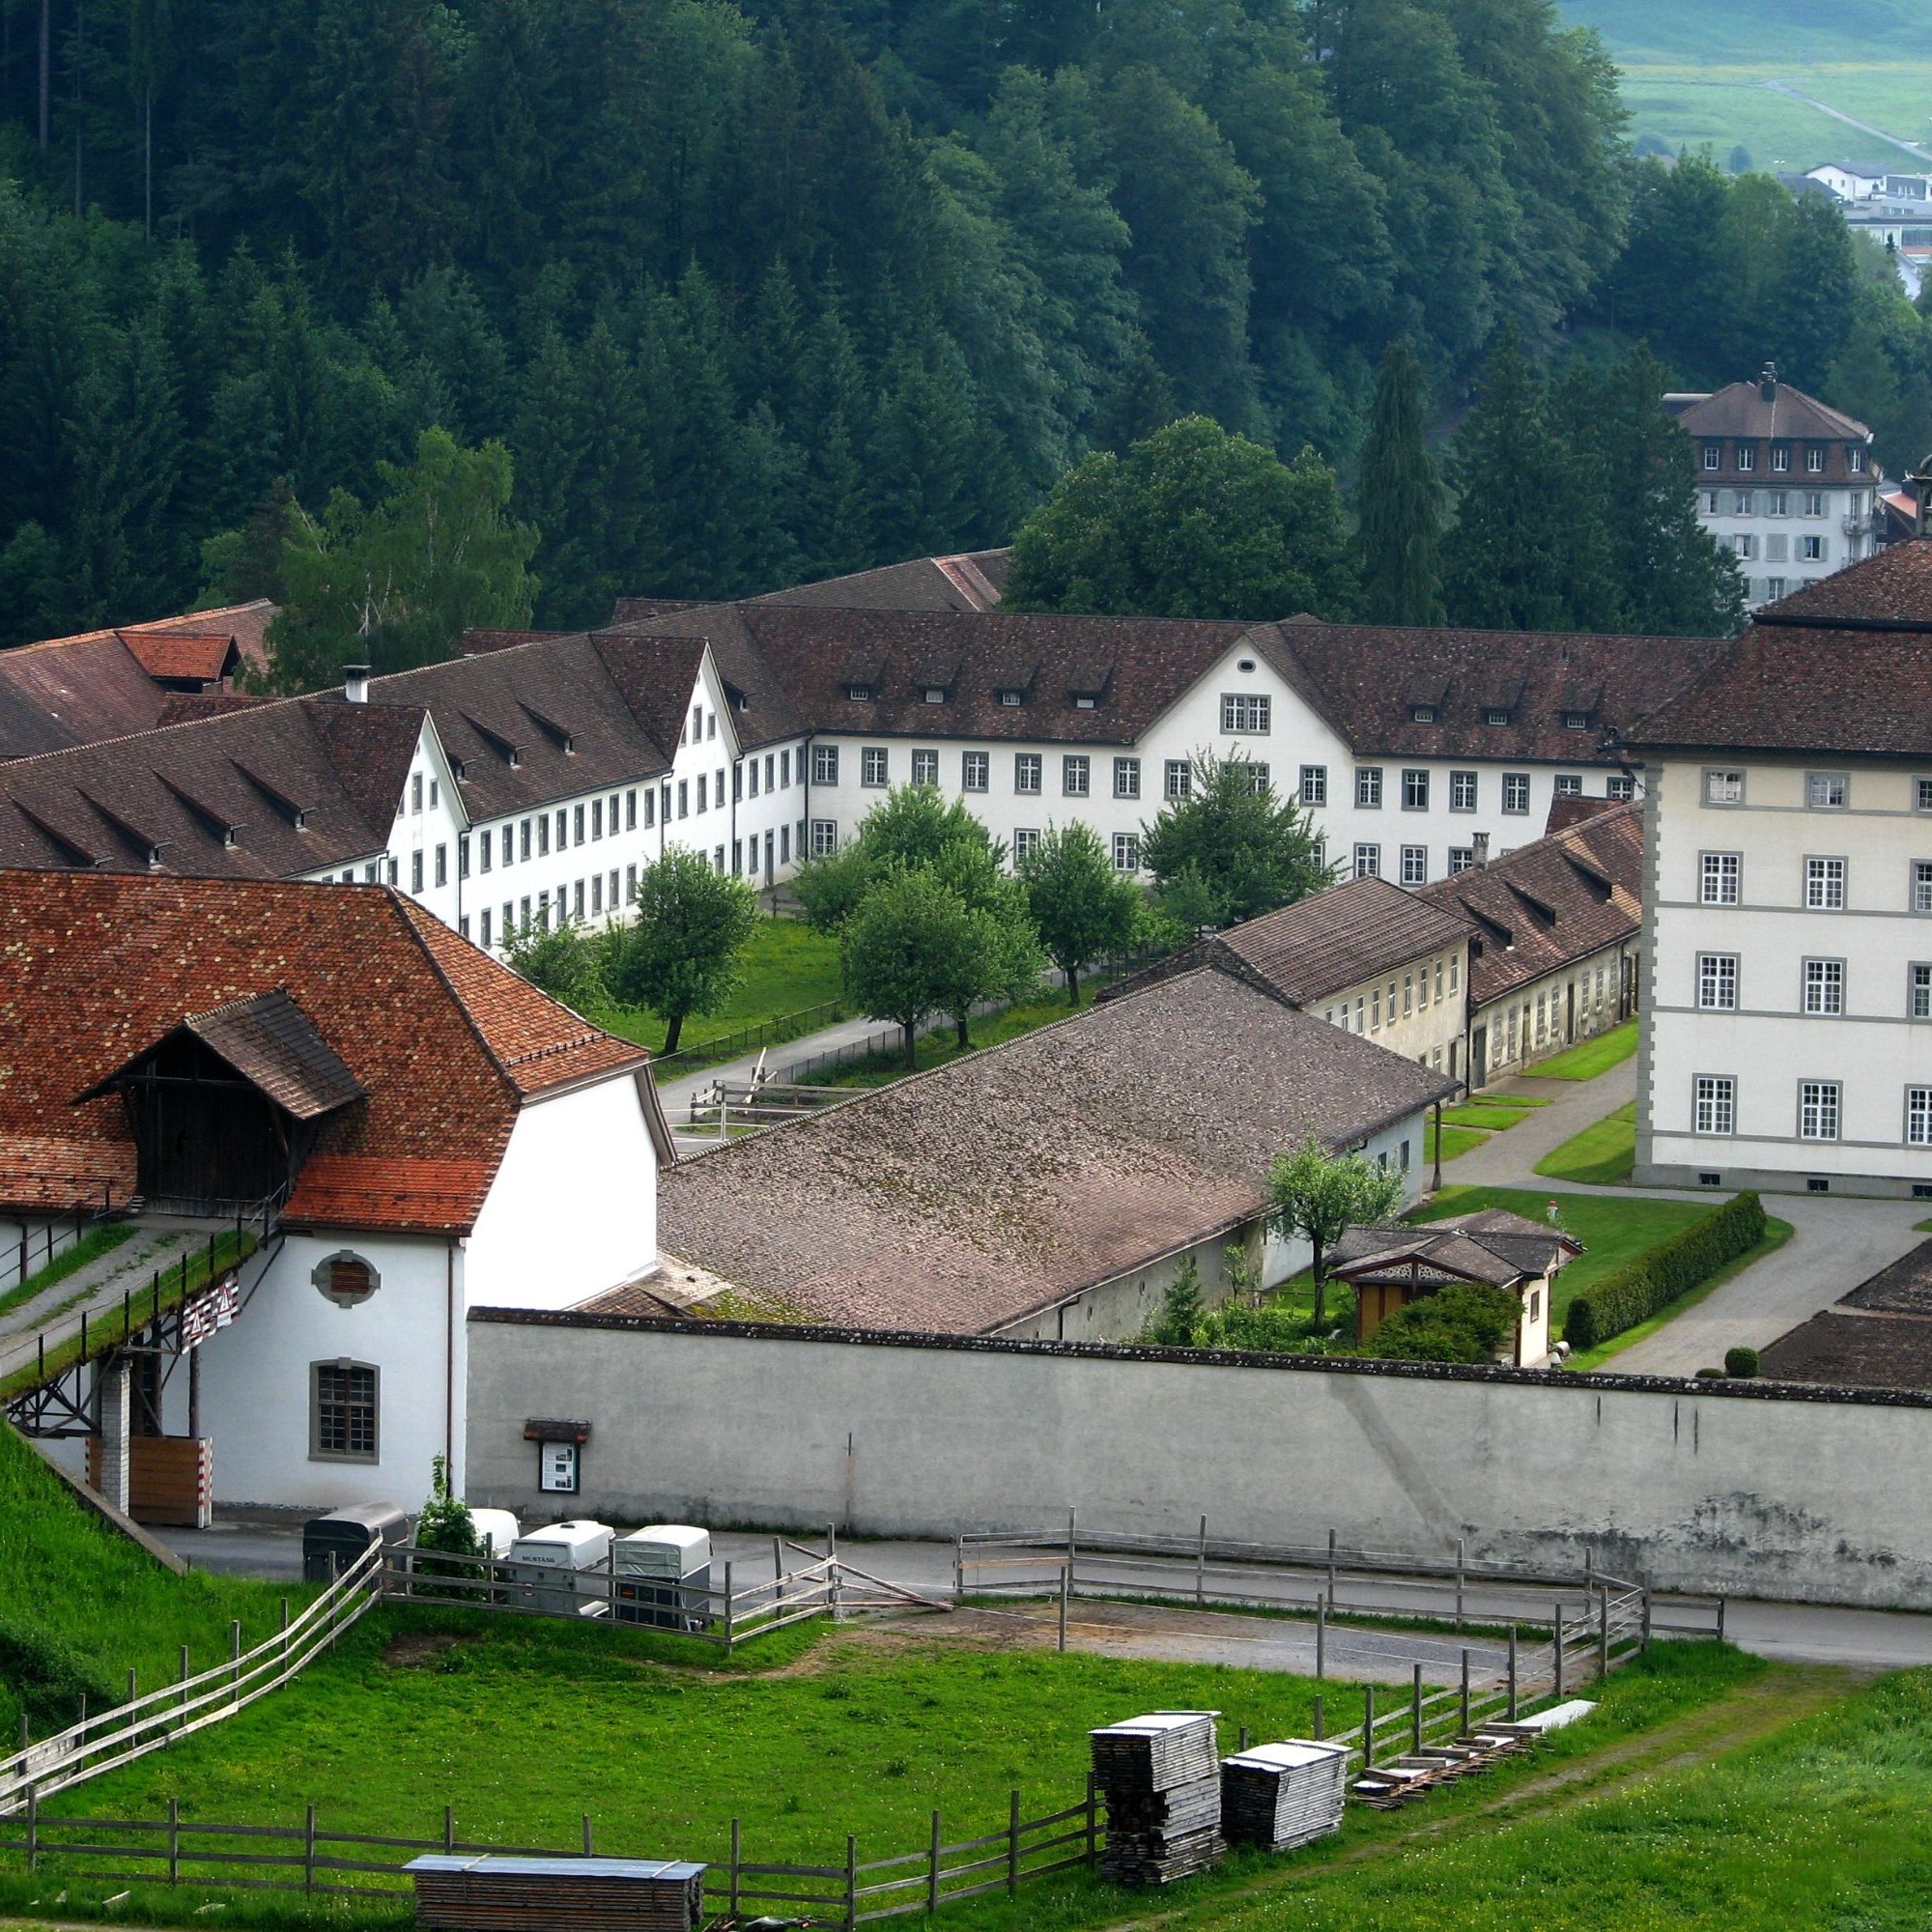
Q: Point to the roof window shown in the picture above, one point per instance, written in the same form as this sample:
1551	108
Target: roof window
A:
1422	714
859	694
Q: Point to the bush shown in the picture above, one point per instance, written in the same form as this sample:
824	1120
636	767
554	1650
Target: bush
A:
1173	1325
49	1676
1741	1363
1641	1288
1709	1375
1467	1321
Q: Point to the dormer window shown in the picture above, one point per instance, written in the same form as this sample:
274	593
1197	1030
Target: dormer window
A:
1085	702
1494	714
1854	460
859	694
1576	720
934	694
1714	456
1746	458
1013	697
1423	714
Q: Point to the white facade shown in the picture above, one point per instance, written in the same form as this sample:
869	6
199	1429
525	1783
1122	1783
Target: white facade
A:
1787	1038
1790	531
1544	1016
1407	820
1417	1010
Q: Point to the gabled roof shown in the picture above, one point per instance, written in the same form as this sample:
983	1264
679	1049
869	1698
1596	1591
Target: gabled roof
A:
1742	409
1890	591
72	691
1341	937
444	1044
962	1200
972	582
1549	904
197	657
1492	1245
263	791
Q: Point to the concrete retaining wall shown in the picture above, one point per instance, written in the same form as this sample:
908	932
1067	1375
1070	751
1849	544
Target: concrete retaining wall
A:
1744	1488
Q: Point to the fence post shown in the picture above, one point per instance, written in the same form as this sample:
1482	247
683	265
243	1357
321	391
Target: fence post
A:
285	1632
1331	1569
851	1882
1556	1651
1320	1731
134	1684
1093	1819
1512	1674
1415	1712
332	1607
184	1676
1460	1553
1368	1726
932	1869
1244	1737
1065	1576
958	1569
448	1830
32	1829
1320	1639
1720	1619
174	1841
778	1576
589	1843
1201	1566
1464	1731
1070	1565
1014	1844
1603	1631
1643	1645
737	1859
309	1849
729	1632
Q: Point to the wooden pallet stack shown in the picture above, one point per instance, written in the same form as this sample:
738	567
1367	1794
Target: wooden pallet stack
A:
1161	1782
499	1892
1280	1796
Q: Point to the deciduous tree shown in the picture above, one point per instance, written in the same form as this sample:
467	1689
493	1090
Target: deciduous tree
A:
681	955
1231	849
1085	909
1312	1195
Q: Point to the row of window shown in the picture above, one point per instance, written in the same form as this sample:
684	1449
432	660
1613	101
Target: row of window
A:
1367	1012
1720	882
1821	986
1465	788
1776	503
1824	791
1820	1110
1530	1028
1781	458
1777	549
1026	841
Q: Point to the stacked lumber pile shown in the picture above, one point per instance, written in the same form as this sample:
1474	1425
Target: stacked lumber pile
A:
1161	1781
1280	1796
503	1892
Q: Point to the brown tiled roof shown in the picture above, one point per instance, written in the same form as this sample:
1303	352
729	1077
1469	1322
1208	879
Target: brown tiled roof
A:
762	709
1492	1245
1549	904
72	691
203	657
218	797
1570	809
445	1043
1740	409
961	1199
1340	937
972	582
1891	589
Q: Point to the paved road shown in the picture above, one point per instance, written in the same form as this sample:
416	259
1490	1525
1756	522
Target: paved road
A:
1508	1159
1863	127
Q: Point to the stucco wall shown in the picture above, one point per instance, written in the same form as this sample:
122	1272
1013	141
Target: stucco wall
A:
1733	1489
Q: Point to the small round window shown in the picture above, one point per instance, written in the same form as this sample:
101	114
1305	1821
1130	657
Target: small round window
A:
346	1279
1247	663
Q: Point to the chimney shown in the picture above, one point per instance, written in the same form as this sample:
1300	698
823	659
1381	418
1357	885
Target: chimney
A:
1918	486
1480	843
355	683
1767	384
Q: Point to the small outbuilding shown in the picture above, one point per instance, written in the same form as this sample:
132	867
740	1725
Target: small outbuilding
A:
1390	1268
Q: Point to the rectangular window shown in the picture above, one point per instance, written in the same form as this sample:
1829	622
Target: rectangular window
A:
739	786
1718	982
488	842
342	1412
1723	787
1076	772
926	768
1461	859
785	845
577	820
1921	885
770	768
1780	459
1569	785
1026	773
1777	502
1742	504
1315	785
1127	777
1619	785
1825	885
976	770
1516	792
1918	1004
873	763
1711	501
415	791
1814	503
1126	852
1745	545
1026	842
1376	1011
702	793
1461	791
1827	792
1714	456
484	916
1811	549
1825	988
443	864
415	871
1368	862
825	764
1414	790
1176	778
1245	713
1746	457
525	912
631	809
1369	787
1818	1103
1716	1109
1719	879
1415	864
1855	462
461	855
629	884
824	837
597	818
1918	1116
597	895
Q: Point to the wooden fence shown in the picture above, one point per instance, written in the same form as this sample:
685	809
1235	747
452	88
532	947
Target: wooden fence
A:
726	1614
122	1732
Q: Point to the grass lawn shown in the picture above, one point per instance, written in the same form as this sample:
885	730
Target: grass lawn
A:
1599	1156
1498	1118
1455	1140
936	1049
1776	1233
524	1725
1588	1057
91	1246
1613	1229
788	966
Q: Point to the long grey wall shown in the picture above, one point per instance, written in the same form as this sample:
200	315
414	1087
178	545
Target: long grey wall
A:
1740	1488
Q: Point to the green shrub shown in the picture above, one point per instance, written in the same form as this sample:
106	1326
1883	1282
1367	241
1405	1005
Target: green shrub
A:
1643	1287
1709	1375
49	1676
1741	1363
1173	1324
1272	1330
1467	1321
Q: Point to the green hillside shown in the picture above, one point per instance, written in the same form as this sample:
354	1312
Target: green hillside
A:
1716	72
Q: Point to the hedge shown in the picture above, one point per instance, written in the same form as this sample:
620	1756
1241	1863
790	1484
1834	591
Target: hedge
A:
1644	1286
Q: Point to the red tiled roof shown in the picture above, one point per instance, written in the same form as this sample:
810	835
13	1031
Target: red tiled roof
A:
444	1043
206	655
1890	590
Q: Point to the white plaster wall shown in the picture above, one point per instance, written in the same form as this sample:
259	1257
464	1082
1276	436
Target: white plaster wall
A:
1594	1013
1768	1045
573	1209
255	1396
1726	525
1685	1487
1403	1012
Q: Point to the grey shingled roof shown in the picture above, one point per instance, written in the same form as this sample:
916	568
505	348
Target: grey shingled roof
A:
962	1200
1341	937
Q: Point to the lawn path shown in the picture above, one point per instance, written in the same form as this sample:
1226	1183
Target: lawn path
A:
1509	1159
1740	1719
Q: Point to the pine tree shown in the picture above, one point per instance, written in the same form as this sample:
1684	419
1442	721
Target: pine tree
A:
1399	502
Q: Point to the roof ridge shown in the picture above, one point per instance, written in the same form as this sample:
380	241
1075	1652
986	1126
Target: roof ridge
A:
402	909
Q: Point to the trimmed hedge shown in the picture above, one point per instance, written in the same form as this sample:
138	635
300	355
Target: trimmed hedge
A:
1650	1284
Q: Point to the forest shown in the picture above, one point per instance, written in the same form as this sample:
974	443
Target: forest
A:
755	293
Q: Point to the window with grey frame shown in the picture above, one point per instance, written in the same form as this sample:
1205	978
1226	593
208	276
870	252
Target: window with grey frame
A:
344	1412
925	767
1369	787
1718	983
1315	785
1414	789
1368	862
1918	990
976	770
1720	876
1819	1106
1176	778
1127	777
1516	793
1415	864
1825	989
1463	788
1918	1116
825	764
1026	774
874	764
1077	774
1827	792
1824	884
1713	1104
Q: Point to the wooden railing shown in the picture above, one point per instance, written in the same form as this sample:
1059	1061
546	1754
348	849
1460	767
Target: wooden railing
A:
122	1732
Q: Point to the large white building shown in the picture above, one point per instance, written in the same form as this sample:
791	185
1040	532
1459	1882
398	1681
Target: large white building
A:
1787	1038
1784	482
